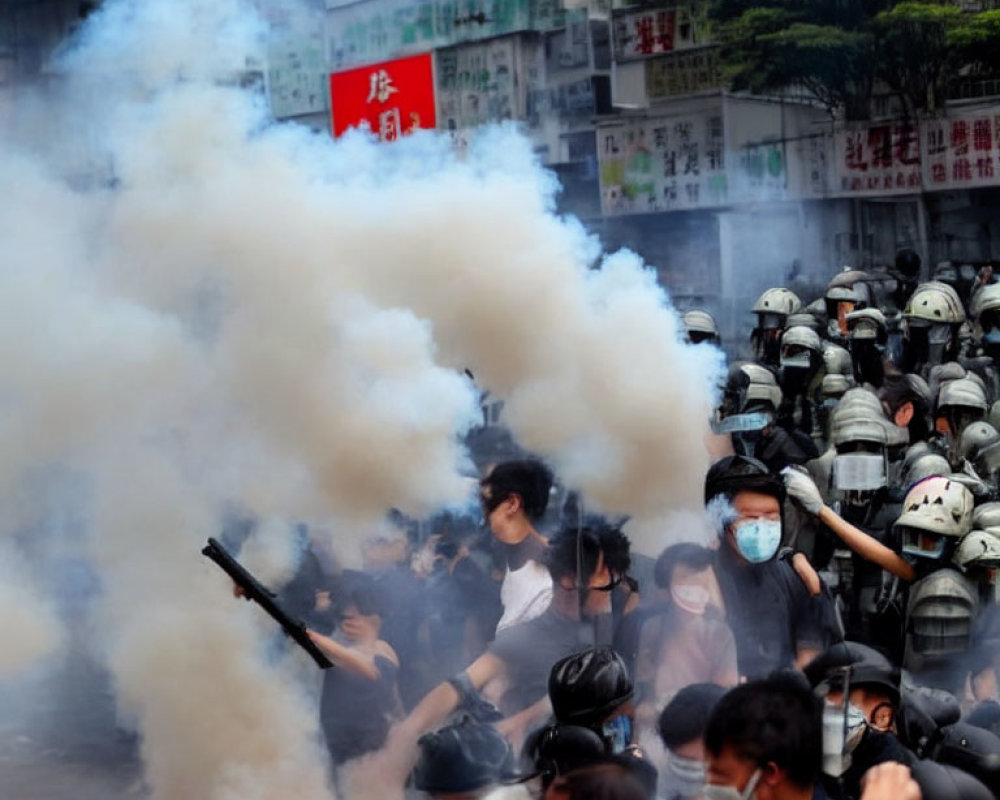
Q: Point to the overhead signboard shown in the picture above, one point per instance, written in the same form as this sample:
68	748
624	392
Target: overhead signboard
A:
391	99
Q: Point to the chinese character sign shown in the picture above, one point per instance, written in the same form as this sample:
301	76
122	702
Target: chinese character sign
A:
653	32
962	152
877	160
662	165
391	99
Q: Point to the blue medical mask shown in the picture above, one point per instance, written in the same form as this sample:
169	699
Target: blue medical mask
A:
992	336
618	733
758	539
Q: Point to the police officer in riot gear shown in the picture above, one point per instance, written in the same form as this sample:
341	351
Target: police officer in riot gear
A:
931	322
867	337
700	326
749	413
772	309
848	291
801	379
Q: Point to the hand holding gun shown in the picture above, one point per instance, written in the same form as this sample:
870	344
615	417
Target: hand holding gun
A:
247	586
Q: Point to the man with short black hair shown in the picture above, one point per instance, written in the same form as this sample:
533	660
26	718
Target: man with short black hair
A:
523	654
514	496
765	739
682	727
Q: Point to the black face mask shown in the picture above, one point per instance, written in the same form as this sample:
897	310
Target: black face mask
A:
866	358
767	345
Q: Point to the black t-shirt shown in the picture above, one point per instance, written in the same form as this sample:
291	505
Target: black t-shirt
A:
528	651
771	613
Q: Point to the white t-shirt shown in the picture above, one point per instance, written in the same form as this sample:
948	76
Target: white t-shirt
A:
525	593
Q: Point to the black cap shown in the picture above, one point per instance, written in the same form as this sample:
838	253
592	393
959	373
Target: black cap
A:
586	687
461	758
734	474
868	667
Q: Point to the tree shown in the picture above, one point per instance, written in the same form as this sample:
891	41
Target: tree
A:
914	58
838	49
974	42
828	47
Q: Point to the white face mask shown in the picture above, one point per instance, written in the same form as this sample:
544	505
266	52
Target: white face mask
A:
682	777
713	792
691	597
842	731
859	472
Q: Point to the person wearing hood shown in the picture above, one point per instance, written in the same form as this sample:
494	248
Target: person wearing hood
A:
775	619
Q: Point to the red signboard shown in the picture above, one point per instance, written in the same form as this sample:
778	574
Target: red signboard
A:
391	99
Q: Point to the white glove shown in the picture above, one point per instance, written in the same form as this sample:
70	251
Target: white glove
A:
802	489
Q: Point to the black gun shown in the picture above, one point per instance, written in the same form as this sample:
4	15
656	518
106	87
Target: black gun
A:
264	597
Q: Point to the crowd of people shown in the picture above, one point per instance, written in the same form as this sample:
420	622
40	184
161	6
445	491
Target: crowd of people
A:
838	637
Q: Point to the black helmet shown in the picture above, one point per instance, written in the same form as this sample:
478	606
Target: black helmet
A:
868	667
558	749
908	263
734	474
461	758
586	687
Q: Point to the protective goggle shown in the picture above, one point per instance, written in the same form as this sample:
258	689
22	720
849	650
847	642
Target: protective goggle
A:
923	544
769	322
741	423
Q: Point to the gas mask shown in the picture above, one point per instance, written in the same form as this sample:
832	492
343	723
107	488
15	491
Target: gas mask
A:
757	539
927	344
766	338
682	777
797	368
713	792
866	358
844	725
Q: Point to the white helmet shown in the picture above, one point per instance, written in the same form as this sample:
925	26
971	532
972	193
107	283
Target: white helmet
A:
921	466
837	360
938	505
965	392
986	515
978	549
935	302
777	301
986	298
698	321
835	385
867	324
858	417
762	385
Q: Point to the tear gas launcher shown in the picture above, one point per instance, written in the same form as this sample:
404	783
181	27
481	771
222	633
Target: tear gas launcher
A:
265	598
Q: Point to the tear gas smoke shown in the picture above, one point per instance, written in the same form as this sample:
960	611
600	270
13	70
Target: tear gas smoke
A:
721	514
29	625
245	314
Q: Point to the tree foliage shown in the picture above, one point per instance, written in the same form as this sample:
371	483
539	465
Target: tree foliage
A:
839	49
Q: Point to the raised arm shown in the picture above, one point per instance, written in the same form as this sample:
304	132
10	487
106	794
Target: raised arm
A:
804	492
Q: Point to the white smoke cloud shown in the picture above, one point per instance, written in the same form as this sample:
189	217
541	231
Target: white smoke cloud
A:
29	624
218	312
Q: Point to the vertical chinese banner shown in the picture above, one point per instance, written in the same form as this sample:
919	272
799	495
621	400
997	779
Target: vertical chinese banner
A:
391	99
962	153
